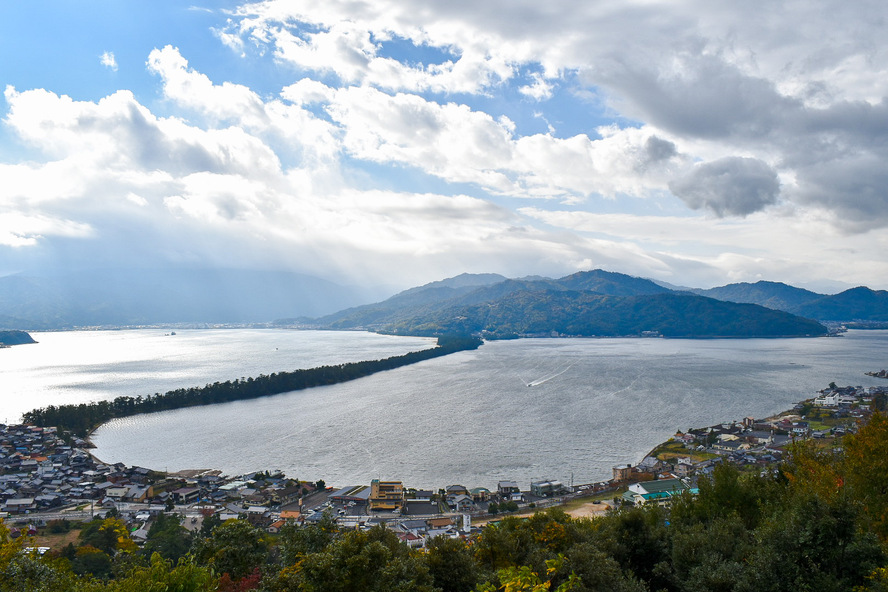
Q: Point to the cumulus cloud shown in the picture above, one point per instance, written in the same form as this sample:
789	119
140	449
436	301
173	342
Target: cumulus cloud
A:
462	145
715	83
195	90
777	112
539	90
120	133
729	186
122	186
108	60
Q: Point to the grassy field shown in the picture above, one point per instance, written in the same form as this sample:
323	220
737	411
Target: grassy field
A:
56	541
673	449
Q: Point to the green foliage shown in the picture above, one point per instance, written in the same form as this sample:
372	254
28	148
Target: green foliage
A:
208	524
234	547
108	535
523	579
296	542
638	539
58	526
163	575
451	565
372	561
728	493
812	544
168	538
599	572
866	470
27	572
91	561
567	312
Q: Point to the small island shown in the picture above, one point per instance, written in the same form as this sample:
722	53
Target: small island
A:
10	338
880	374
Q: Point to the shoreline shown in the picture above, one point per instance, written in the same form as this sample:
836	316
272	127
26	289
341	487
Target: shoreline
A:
611	483
680	457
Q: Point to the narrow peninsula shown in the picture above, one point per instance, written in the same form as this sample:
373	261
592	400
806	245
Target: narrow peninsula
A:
82	418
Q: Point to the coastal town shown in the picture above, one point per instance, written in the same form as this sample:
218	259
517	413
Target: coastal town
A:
46	476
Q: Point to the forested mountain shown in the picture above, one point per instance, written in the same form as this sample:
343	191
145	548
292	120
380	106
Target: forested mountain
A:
15	338
144	297
586	314
419	298
608	282
856	304
776	295
591	303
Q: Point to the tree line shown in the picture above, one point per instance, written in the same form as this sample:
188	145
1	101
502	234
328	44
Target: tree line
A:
81	418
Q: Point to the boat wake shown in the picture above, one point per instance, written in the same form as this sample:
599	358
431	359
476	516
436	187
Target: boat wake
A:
546	378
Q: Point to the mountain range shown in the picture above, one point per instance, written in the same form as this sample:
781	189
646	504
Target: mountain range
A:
592	302
589	303
855	304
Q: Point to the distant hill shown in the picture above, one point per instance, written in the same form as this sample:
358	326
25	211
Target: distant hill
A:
584	304
774	295
856	304
134	297
614	284
393	309
144	297
15	338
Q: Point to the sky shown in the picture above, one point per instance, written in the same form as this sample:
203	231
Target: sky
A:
403	141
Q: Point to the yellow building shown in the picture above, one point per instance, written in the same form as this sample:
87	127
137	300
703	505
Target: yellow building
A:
386	495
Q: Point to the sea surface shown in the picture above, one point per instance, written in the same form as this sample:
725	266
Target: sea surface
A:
523	410
82	366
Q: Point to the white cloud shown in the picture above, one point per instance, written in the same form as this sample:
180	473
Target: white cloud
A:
716	82
109	61
23	230
539	90
195	91
460	145
121	184
785	246
771	118
304	135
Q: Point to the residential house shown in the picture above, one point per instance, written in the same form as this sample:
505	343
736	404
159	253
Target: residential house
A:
546	488
505	489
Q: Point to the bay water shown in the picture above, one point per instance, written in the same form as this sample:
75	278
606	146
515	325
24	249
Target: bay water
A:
83	366
523	410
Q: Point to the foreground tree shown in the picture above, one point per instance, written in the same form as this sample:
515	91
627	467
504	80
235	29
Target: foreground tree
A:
372	561
235	548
